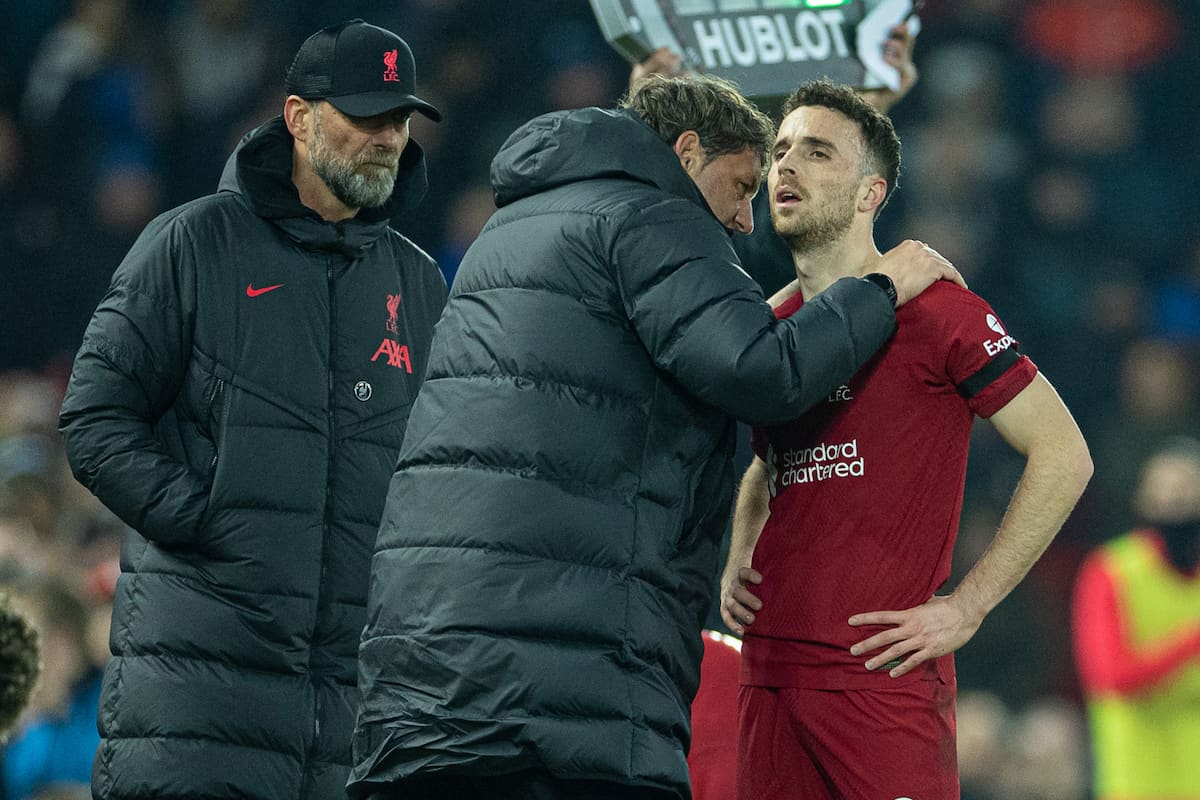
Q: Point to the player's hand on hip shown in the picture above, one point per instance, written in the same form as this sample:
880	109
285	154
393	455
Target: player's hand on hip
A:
738	603
914	636
913	266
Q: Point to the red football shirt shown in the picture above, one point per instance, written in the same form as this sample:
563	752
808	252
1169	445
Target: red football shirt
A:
867	488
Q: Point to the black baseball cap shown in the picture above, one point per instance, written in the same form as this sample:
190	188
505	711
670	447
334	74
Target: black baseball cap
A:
360	69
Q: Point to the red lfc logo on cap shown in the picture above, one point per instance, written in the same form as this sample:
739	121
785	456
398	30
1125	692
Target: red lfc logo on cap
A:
389	63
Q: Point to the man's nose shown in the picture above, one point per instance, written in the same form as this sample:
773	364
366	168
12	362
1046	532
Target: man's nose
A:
743	221
394	135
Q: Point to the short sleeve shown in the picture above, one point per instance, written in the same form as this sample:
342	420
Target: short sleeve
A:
984	360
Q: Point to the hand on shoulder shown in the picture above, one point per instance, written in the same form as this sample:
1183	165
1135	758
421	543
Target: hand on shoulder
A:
913	266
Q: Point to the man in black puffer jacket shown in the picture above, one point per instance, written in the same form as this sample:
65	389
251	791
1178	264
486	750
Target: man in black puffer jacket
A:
239	400
549	545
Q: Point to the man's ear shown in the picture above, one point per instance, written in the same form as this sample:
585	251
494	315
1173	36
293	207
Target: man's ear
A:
298	116
691	154
872	194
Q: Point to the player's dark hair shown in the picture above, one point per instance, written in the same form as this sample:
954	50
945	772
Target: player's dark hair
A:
881	145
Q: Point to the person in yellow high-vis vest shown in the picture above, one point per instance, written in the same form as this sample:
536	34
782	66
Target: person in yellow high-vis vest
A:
1136	627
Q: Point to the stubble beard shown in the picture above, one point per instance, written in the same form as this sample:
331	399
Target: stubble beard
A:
818	230
363	181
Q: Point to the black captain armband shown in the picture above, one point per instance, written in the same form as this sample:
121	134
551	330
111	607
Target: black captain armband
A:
886	283
989	372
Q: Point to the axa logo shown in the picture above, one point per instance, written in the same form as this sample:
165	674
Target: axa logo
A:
395	353
393	309
994	346
389	66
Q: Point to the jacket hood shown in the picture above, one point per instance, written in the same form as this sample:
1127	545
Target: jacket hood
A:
260	170
568	146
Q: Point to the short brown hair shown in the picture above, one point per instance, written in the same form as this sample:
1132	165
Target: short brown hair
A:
881	145
713	107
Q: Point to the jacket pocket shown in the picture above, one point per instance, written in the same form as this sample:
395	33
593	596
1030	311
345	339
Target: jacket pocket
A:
215	414
216	411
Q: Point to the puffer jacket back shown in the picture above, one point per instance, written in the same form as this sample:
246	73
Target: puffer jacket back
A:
549	545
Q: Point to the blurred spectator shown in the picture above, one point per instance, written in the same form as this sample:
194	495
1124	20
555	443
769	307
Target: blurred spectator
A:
25	24
1175	301
92	111
26	230
222	56
20	664
962	161
1137	638
470	212
1035	753
90	74
1045	757
1157	398
30	474
983	721
71	53
55	746
1100	36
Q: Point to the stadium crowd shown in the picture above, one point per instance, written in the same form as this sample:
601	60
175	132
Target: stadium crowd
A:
1048	152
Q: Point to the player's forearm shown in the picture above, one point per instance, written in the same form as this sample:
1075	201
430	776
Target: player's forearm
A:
1056	473
749	515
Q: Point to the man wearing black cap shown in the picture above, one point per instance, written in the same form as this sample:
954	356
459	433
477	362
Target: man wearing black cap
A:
239	400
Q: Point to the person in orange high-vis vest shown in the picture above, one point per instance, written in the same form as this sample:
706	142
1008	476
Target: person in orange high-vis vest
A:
1136	626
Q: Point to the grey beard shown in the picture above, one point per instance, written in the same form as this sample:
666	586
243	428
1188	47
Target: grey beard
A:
353	188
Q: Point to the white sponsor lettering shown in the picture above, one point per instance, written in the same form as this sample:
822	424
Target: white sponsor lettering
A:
762	39
821	463
994	347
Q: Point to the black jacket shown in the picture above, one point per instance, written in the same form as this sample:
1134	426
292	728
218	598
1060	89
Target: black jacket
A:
239	399
549	545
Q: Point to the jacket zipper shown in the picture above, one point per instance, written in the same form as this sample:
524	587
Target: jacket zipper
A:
216	420
327	522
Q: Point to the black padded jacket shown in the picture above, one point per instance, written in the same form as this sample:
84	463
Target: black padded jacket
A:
239	400
549	546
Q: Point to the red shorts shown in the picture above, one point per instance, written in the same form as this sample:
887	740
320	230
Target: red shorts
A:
814	744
